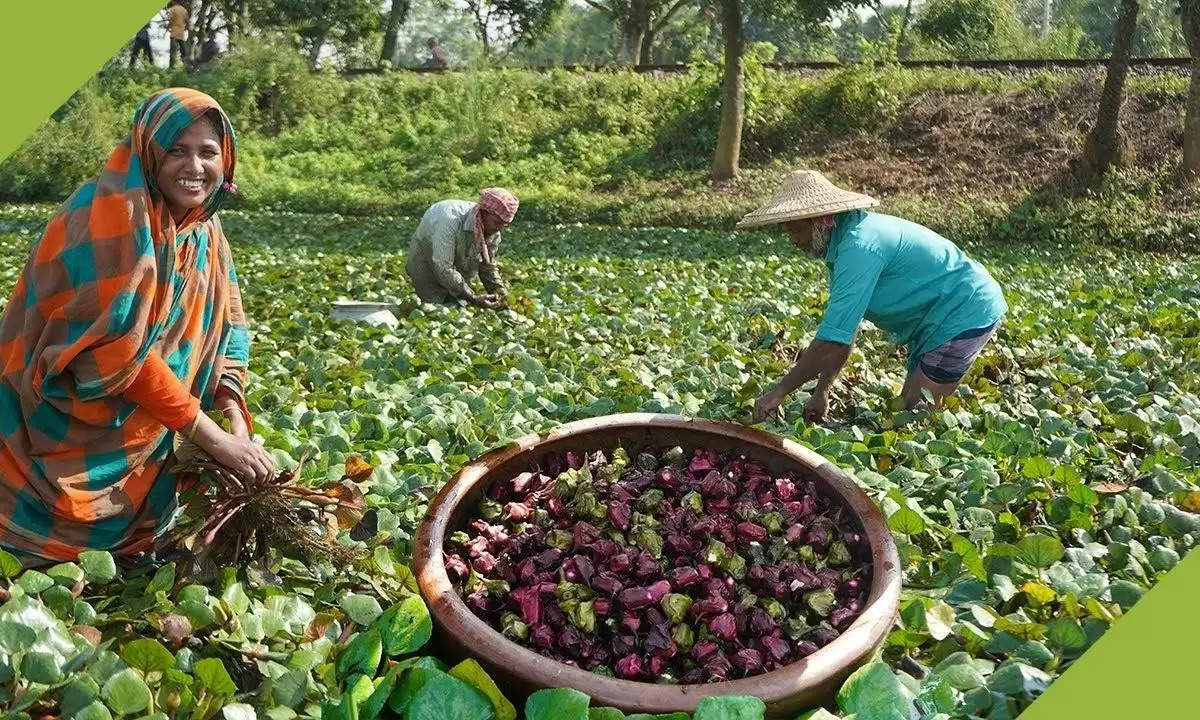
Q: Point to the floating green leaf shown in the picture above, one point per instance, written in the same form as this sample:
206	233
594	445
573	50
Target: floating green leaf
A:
874	692
406	626
362	609
361	655
470	672
906	521
10	566
557	704
730	707
443	697
211	673
41	667
147	655
126	692
1040	551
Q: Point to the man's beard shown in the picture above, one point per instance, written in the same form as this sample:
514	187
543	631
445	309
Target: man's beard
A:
820	241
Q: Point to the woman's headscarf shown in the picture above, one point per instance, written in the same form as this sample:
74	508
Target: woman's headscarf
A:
498	202
122	246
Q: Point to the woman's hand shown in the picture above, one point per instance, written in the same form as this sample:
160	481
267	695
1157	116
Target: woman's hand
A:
240	455
246	458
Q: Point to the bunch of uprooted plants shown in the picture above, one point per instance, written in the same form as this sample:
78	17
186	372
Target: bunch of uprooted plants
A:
230	521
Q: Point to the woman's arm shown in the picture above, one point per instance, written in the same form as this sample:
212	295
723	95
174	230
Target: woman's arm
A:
851	285
159	392
156	389
489	273
234	409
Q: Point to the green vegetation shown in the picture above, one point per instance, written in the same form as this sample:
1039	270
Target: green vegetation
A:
1055	488
627	148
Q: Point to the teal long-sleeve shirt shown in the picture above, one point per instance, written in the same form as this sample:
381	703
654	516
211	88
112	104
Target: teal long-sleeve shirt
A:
914	284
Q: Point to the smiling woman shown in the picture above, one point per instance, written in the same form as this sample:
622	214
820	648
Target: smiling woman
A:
125	324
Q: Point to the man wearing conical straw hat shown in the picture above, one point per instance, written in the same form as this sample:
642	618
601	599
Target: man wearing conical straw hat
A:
906	279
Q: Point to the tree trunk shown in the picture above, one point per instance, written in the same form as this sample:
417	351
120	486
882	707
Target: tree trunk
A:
1107	144
733	96
901	49
233	22
481	26
646	56
209	23
631	45
656	25
634	30
199	33
1190	18
314	52
1046	14
391	32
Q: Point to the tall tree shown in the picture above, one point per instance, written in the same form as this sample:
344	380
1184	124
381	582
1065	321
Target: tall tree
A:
1189	11
810	13
658	22
397	14
206	22
1107	144
344	23
641	22
1158	28
503	24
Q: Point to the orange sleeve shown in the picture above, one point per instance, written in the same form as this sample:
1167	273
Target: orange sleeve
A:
158	390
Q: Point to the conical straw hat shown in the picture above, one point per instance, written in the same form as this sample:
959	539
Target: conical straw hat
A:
805	194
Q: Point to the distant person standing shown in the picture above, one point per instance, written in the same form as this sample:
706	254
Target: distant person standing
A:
141	45
177	22
438	58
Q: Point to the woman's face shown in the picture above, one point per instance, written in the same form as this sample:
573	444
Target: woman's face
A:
193	168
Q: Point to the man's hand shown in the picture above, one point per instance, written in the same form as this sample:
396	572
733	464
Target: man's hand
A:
816	407
489	302
766	405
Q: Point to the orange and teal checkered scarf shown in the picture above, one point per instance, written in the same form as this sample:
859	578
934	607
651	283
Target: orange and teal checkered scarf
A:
112	278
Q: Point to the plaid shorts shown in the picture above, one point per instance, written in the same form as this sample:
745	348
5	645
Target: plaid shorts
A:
948	362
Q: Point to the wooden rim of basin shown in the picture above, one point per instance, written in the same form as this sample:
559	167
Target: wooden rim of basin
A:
827	665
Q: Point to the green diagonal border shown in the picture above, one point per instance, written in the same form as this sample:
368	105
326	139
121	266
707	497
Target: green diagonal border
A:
1143	667
50	48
